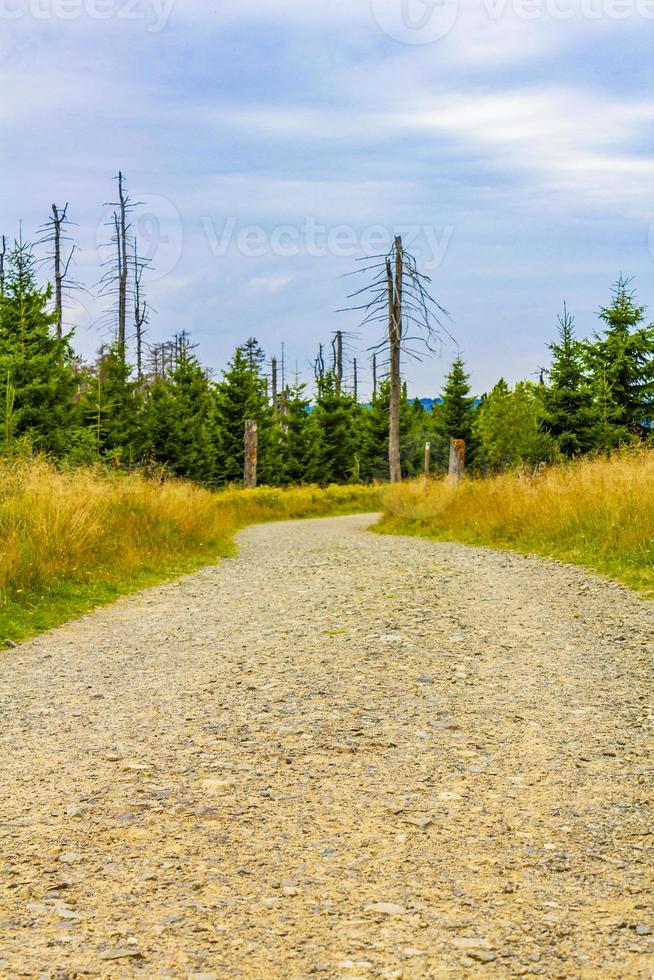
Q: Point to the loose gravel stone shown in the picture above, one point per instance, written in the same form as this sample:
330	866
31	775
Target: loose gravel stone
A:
337	754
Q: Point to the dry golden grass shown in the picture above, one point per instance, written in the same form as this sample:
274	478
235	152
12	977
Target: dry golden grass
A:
71	540
596	512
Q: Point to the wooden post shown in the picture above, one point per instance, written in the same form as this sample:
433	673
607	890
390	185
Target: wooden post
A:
427	459
251	445
457	461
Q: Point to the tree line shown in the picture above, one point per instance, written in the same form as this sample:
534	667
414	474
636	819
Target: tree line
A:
597	394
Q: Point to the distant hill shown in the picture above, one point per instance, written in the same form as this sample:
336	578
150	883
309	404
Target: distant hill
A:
428	403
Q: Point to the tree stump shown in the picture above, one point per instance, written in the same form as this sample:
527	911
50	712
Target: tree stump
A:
251	447
457	462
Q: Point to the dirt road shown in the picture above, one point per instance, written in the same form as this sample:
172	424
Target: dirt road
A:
337	754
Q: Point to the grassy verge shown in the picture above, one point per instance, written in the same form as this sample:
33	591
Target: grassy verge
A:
73	541
596	513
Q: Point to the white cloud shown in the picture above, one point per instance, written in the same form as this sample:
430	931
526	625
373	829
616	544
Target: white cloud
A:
533	144
270	284
570	140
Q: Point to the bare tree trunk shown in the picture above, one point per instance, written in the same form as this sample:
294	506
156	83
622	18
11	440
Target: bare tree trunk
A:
122	265
457	461
251	447
356	381
395	347
54	234
283	409
157	358
57	220
140	312
98	427
427	459
274	384
374	376
319	364
3	252
338	360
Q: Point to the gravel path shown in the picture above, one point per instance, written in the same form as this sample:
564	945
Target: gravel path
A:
337	754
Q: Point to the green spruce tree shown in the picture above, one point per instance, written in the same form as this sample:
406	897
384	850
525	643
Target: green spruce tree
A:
241	395
569	415
455	418
37	377
375	440
110	407
177	419
622	365
297	438
337	448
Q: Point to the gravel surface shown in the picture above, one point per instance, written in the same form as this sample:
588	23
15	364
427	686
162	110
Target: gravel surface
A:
337	754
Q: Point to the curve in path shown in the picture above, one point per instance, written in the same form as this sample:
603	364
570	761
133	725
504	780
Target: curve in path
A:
336	754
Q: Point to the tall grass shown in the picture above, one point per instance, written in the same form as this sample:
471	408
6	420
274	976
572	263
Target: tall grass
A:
71	540
597	512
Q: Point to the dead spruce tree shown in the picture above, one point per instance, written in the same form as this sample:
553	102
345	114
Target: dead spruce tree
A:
121	235
274	385
3	254
116	279
319	364
141	308
54	233
342	349
337	350
397	295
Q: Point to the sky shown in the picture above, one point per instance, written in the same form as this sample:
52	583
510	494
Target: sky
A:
271	144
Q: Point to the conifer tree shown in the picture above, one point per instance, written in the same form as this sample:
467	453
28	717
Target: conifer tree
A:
254	355
375	444
297	438
177	416
568	401
456	416
415	431
622	365
240	395
418	428
110	406
334	417
37	377
160	435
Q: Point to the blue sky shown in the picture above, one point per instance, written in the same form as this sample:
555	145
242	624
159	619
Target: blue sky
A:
273	142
